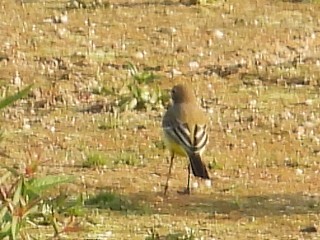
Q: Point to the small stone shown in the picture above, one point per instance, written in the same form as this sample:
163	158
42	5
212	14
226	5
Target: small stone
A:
26	126
195	185
207	183
218	33
193	65
139	55
299	171
308	102
175	72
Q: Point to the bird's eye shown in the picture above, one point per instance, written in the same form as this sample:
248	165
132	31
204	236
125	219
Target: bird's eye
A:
173	91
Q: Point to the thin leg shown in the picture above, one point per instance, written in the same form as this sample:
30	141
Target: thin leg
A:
187	189
169	174
189	175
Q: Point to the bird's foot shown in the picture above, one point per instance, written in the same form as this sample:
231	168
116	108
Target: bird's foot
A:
165	190
186	191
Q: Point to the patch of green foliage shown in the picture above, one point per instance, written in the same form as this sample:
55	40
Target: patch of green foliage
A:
142	92
25	200
214	165
112	121
127	158
24	196
95	159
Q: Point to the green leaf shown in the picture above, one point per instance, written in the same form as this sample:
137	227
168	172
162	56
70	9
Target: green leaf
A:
3	214
135	90
10	99
14	227
18	192
5	230
133	69
38	185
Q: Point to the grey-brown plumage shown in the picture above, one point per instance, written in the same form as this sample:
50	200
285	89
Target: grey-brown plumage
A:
185	131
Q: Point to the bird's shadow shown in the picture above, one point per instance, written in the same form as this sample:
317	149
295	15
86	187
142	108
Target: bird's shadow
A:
252	205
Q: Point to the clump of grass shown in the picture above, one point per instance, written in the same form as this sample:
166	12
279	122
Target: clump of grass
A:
104	91
127	158
116	202
214	165
81	4
113	121
188	234
159	144
95	160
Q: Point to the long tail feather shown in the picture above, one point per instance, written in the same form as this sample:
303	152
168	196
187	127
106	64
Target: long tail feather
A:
199	169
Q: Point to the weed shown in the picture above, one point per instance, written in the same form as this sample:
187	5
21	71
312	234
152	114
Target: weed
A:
11	99
23	198
113	121
140	94
188	234
95	160
214	165
23	195
152	234
104	91
141	77
127	158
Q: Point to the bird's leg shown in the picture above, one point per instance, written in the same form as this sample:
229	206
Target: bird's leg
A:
169	174
189	175
187	189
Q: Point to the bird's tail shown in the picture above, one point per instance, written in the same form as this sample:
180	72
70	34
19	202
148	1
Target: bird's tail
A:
199	169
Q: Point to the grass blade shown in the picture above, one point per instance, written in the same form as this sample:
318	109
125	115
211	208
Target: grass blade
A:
44	183
17	193
14	227
10	99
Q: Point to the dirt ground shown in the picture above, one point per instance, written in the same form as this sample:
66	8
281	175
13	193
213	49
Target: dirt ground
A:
255	68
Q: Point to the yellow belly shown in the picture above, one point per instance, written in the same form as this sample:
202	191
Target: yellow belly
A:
173	146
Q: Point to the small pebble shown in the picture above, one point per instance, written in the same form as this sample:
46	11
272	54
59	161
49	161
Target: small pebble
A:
219	34
195	185
208	183
193	65
299	171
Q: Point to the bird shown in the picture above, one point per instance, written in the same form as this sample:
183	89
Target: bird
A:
185	132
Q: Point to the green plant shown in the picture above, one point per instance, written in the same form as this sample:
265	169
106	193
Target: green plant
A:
112	121
140	93
214	165
127	158
11	99
188	234
95	160
23	197
152	234
141	76
8	101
